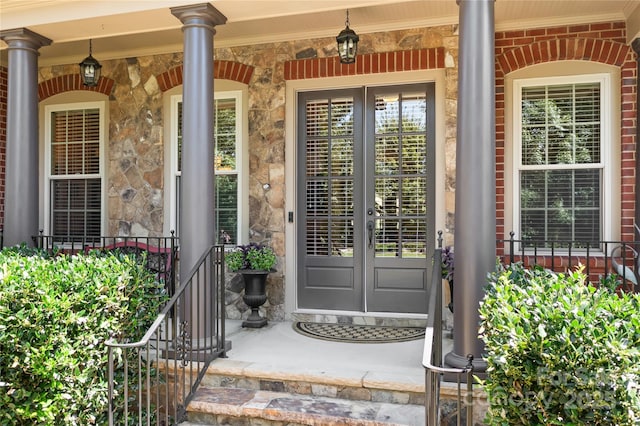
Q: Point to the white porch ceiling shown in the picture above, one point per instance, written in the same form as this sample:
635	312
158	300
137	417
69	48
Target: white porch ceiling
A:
121	28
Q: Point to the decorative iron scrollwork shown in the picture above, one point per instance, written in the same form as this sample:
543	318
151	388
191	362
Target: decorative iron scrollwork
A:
184	344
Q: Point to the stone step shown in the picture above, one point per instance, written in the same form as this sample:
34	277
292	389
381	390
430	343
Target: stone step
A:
402	386
236	406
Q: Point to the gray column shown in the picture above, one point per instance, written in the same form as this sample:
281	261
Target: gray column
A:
475	216
197	225
21	172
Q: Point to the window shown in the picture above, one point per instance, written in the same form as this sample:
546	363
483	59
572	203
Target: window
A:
560	158
228	142
73	191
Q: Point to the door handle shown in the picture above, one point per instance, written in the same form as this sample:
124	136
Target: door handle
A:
370	232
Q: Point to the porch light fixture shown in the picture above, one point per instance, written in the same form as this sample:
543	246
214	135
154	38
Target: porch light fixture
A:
90	70
347	43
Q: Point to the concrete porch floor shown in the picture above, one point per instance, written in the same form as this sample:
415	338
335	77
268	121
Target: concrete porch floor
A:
280	348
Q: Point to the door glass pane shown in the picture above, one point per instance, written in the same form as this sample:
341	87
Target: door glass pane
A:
387	120
317	231
414	117
387	155
329	170
341	117
342	157
400	175
414	237
414	154
317	157
387	238
342	237
414	192
387	193
342	197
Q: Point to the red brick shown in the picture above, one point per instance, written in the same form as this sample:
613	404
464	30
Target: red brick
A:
424	59
514	34
519	58
375	63
562	48
622	54
612	34
431	59
579	48
415	59
382	57
553	50
589	45
578	28
504	42
557	30
601	26
614	50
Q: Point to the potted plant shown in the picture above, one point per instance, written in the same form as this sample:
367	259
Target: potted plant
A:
254	262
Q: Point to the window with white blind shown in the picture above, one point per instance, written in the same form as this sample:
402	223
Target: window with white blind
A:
228	152
561	143
73	190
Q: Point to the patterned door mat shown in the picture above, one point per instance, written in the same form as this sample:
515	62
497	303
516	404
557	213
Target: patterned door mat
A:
358	333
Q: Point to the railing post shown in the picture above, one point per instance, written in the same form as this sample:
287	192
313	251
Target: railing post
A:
512	245
469	396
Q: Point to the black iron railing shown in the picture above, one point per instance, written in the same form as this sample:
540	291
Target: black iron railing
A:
599	259
160	254
151	381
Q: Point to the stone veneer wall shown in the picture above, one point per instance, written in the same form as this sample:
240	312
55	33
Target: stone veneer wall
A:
3	138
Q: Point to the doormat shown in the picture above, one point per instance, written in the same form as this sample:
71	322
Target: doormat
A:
350	333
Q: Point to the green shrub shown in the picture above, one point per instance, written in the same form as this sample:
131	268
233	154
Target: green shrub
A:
55	315
560	351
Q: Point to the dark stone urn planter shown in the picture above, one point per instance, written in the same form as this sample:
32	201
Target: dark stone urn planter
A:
255	294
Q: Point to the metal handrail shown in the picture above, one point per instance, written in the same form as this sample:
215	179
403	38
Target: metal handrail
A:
167	346
432	354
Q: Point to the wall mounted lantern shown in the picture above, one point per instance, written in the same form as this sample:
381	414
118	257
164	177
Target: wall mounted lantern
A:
90	70
347	44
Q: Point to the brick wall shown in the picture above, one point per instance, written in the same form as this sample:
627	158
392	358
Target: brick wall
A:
601	42
368	63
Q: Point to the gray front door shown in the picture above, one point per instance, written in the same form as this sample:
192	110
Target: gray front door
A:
365	198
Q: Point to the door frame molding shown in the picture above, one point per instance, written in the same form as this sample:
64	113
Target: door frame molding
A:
291	91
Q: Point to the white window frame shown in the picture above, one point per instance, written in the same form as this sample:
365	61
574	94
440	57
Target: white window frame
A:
48	177
241	163
606	143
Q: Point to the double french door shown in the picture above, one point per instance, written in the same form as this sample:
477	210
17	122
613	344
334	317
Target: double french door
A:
365	196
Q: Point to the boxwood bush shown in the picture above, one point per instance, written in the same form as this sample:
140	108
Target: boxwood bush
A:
560	351
56	312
